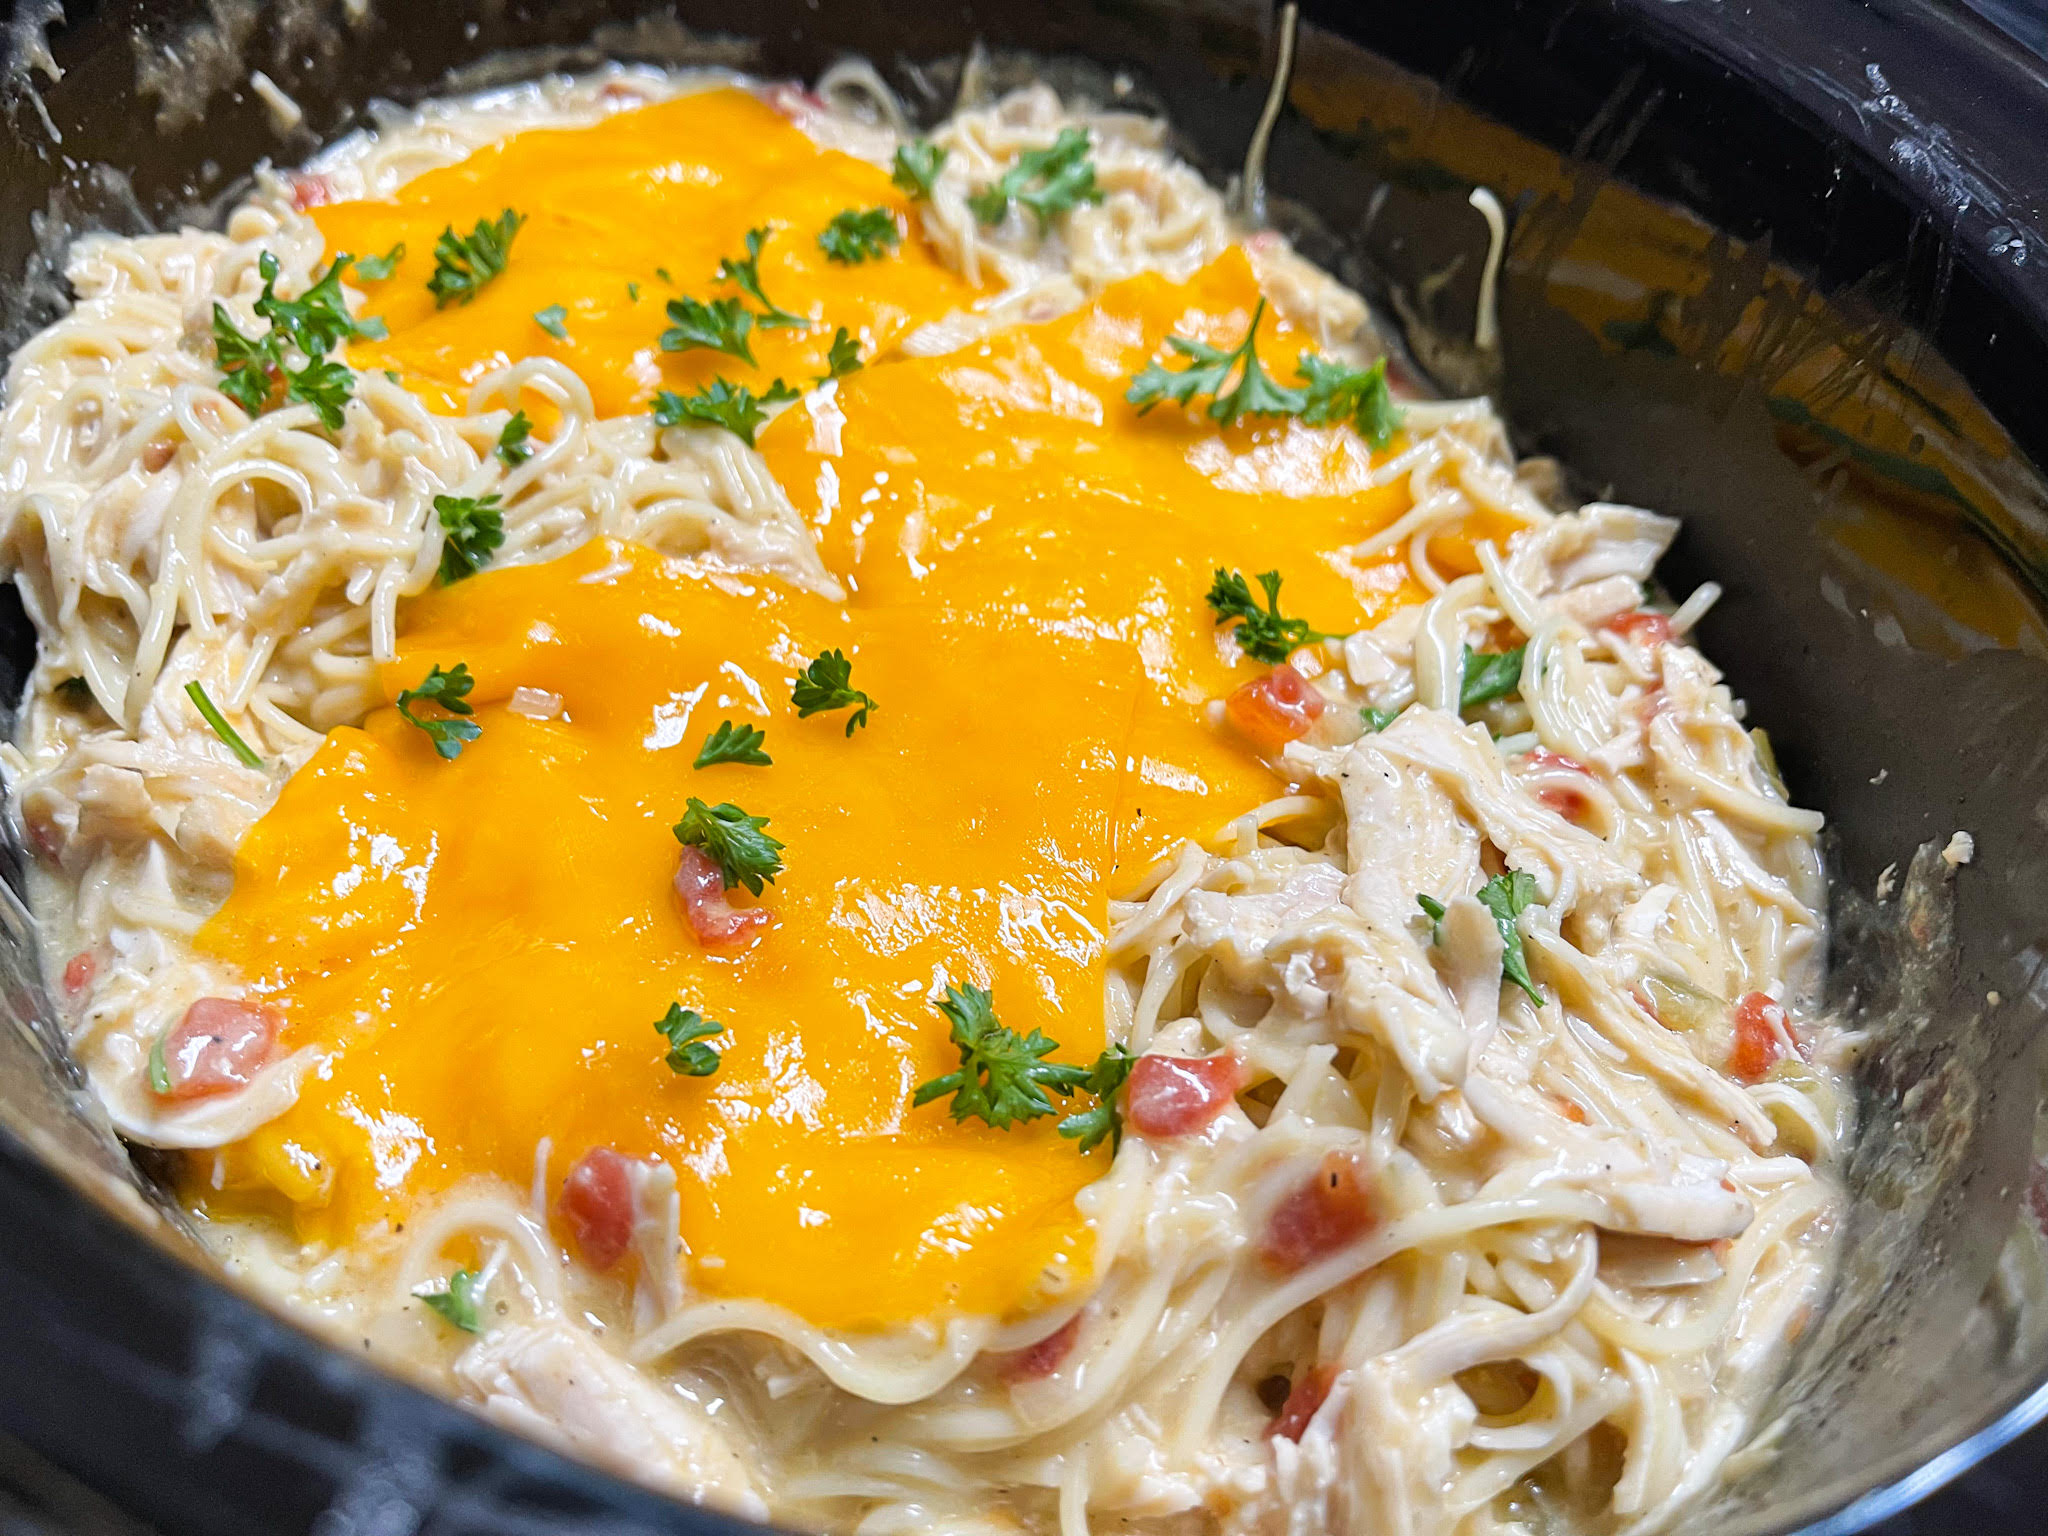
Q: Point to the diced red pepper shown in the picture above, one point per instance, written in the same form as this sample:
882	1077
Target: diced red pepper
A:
79	972
1304	1399
1047	1355
1330	1210
597	1205
1178	1095
1644	627
715	921
310	190
1759	1037
217	1047
1275	709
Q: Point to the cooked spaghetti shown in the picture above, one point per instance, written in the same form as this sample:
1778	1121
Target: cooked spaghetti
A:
1214	959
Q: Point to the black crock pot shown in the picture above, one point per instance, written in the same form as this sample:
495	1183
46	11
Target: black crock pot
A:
1781	269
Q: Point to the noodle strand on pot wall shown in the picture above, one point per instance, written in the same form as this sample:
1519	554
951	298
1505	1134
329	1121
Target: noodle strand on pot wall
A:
871	825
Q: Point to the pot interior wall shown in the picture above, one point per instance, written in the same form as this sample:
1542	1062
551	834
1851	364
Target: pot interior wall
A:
1712	304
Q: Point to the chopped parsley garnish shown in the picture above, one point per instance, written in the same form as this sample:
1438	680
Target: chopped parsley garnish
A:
721	404
315	323
552	320
1263	634
1488	675
227	733
1378	719
843	358
1505	896
720	326
633	292
1338	392
917	166
512	450
326	387
826	685
1208	370
747	274
687	1030
733	744
737	843
374	269
458	1302
1064	178
463	264
662	273
450	690
159	1069
1332	391
472	529
1002	1077
1105	1078
855	236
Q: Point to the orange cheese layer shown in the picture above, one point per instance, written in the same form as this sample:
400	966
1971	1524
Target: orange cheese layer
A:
482	946
670	188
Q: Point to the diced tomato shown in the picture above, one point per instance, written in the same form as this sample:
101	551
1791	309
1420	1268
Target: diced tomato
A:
1561	793
1645	628
79	972
1303	1400
713	919
1275	709
218	1047
1759	1037
1178	1095
310	191
793	101
1571	1109
1046	1356
1330	1210
597	1205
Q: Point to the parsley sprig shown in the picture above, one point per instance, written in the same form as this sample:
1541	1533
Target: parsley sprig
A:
842	358
721	403
1332	392
1208	370
827	684
1089	1126
687	1030
554	320
450	690
512	449
1506	897
463	264
472	529
917	166
1047	181
746	274
733	744
720	326
1004	1079
1264	634
314	323
374	269
857	235
1484	676
737	843
458	1302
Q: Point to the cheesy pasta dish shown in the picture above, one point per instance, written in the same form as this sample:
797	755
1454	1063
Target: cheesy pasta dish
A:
870	824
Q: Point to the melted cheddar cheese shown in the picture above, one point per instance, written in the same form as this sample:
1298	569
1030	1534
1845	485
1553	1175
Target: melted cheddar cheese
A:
480	948
620	218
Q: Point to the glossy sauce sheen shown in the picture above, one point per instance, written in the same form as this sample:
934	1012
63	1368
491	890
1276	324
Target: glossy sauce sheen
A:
483	946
